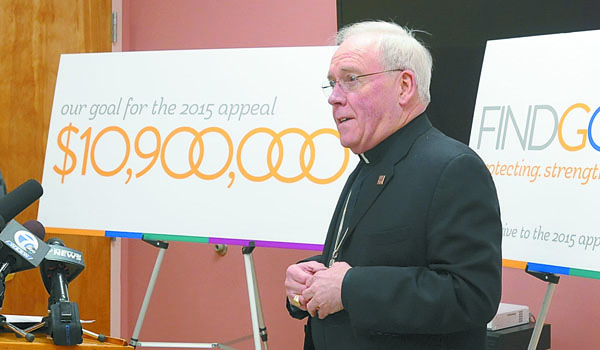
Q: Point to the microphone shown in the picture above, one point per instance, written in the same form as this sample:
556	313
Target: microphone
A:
36	228
18	199
19	250
60	266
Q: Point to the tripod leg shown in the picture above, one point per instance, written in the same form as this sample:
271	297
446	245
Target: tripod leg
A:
28	336
261	321
149	290
99	337
35	327
258	325
539	323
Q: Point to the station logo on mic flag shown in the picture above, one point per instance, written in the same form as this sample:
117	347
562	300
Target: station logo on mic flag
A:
26	241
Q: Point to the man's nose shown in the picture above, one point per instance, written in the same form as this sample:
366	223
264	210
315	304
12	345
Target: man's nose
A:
337	95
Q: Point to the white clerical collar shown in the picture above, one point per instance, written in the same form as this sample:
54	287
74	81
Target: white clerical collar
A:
362	155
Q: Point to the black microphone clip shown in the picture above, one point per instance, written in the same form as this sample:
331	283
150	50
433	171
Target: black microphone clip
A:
60	266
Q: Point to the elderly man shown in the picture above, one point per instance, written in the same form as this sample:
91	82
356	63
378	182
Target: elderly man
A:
412	258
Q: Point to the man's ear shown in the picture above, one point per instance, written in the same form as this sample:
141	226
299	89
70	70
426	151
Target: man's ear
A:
408	87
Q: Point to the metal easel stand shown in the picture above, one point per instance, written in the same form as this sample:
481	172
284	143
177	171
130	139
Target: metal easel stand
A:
258	326
552	280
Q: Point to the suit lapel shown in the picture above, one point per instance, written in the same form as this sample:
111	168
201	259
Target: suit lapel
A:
383	172
369	191
331	234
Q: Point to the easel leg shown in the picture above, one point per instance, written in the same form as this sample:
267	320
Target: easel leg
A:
258	325
138	325
552	280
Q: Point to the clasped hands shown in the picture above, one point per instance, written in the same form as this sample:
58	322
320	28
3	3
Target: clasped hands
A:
313	287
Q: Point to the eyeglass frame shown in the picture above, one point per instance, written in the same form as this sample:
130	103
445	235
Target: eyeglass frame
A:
332	83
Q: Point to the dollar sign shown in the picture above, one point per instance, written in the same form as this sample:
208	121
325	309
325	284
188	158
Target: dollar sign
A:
68	153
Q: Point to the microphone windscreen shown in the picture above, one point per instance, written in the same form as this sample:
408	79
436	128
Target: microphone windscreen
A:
36	228
20	198
55	241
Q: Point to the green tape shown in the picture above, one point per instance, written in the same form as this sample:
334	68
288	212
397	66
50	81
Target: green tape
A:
159	237
585	273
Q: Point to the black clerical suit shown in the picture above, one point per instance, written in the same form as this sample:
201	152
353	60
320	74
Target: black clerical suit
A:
2	186
424	243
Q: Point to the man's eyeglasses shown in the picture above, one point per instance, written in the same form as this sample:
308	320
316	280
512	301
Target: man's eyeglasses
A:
349	82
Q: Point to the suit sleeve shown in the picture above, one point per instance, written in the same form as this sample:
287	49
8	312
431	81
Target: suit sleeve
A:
460	287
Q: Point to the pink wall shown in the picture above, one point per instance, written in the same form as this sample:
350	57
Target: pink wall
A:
202	297
189	24
574	312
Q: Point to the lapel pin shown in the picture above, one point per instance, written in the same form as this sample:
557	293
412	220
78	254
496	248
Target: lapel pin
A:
381	179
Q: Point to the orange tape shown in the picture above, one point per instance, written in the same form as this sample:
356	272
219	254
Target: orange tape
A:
71	231
514	264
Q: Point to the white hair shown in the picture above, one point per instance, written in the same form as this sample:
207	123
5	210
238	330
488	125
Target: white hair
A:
398	48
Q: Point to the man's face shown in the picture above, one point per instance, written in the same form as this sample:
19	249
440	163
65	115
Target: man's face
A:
364	116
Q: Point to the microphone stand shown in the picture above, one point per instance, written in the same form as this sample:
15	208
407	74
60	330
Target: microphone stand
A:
62	323
99	337
3	322
18	331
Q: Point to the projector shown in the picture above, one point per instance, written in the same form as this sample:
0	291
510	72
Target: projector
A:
509	315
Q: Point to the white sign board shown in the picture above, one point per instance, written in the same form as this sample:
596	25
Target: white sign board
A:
536	126
230	145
